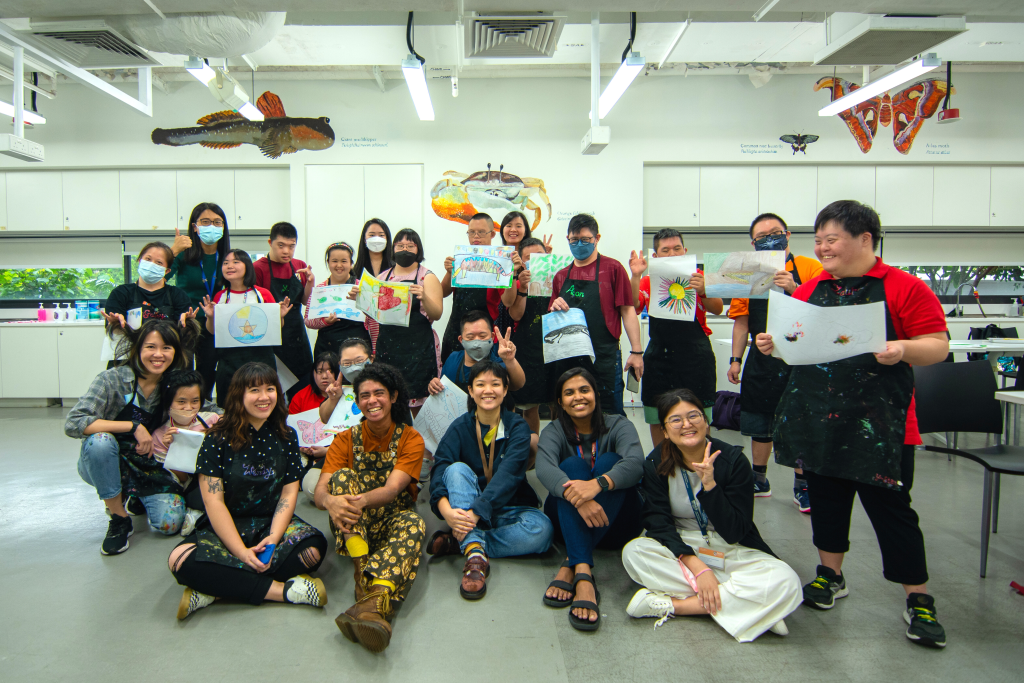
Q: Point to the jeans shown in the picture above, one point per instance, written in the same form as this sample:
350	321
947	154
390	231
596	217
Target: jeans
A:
515	530
99	465
618	406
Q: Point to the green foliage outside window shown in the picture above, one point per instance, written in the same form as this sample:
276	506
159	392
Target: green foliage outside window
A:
946	279
59	283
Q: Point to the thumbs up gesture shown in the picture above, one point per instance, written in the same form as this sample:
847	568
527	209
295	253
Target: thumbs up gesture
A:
181	242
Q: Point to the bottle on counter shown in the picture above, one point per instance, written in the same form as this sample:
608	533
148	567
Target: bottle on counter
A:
56	312
41	314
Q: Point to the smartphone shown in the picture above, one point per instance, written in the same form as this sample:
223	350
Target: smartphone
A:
632	383
266	554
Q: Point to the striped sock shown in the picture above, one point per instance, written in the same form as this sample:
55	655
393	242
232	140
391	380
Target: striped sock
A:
474	549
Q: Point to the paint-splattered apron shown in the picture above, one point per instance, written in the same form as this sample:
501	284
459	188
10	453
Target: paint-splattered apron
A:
410	349
294	350
528	336
678	355
142	475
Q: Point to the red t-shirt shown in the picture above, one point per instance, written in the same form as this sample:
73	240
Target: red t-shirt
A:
307	399
281	271
268	298
701	315
615	288
913	307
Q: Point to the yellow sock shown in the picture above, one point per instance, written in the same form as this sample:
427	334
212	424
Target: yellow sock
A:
383	582
356	546
471	547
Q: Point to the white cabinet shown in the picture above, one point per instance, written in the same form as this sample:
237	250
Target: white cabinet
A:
262	198
1007	196
27	369
845	182
334	209
671	196
78	358
34	200
788	191
91	200
195	186
728	195
904	195
394	193
962	195
3	201
148	200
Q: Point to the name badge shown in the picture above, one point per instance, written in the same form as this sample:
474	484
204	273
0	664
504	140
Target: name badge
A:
712	558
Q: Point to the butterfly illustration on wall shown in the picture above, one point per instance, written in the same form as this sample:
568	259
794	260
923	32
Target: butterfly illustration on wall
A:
799	141
907	110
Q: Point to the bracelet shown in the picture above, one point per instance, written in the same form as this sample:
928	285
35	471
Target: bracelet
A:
636	353
735	359
697	575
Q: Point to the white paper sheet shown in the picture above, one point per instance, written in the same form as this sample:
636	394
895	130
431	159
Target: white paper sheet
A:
672	296
482	266
183	451
333	299
805	334
742	274
108	351
134	318
287	378
241	325
566	335
346	414
310	429
543	268
438	413
389	303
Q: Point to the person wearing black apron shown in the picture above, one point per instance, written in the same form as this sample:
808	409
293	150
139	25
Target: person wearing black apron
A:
764	378
851	423
294	351
480	231
330	334
230	359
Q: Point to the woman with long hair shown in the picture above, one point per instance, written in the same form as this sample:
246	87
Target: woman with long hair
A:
374	256
331	331
515	229
702	553
590	464
250	546
116	418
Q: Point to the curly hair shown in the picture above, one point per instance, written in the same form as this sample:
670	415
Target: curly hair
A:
391	379
234	426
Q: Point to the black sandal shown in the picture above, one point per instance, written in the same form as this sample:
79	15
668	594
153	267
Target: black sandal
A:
585	624
561	585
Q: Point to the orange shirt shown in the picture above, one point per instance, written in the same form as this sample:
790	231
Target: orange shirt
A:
806	268
409	459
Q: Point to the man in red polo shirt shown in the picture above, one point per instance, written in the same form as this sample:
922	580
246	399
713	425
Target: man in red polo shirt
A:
851	423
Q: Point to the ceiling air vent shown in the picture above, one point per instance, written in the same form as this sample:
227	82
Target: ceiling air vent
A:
527	35
89	44
882	40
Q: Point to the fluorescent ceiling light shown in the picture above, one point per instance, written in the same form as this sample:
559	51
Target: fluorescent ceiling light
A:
628	70
417	82
883	84
201	70
675	41
250	112
30	116
765	8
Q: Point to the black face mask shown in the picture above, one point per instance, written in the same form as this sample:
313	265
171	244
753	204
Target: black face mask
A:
405	258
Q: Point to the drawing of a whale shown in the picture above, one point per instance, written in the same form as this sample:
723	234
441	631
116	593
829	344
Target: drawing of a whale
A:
555	335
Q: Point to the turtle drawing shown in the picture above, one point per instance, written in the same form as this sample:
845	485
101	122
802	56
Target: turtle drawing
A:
556	335
459	196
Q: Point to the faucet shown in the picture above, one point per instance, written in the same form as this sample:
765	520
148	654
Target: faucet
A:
957	311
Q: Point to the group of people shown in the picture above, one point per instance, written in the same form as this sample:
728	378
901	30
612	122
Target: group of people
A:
682	516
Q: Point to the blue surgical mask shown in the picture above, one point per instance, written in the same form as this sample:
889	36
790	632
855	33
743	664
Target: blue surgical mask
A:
151	273
351	372
477	349
771	243
209	234
581	251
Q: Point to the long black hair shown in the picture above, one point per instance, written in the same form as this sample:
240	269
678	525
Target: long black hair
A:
480	368
182	340
671	456
391	379
329	357
363	256
509	217
597	425
194	254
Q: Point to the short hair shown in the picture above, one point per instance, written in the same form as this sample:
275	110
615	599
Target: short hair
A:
284	229
481	368
352	342
179	379
410	235
667	234
853	217
481	217
511	216
767	217
391	379
529	242
343	246
249	279
470	317
583	221
168	253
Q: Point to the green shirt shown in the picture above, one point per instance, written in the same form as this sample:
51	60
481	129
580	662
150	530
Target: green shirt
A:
190	277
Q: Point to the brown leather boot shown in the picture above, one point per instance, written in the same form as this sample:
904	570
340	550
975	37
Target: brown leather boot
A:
474	577
361	580
366	622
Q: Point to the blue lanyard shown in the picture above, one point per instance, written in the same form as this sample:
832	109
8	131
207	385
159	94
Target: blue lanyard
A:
209	287
698	511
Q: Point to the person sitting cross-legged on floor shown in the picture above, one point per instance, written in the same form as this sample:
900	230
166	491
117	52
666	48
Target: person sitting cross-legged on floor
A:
478	484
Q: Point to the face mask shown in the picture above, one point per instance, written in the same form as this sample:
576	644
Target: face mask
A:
405	258
151	273
210	234
478	349
771	243
581	251
182	417
351	372
376	244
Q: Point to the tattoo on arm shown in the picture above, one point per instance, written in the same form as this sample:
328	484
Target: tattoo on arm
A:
214	485
282	505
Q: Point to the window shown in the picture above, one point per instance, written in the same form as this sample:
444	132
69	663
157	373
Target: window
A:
993	281
39	284
34	270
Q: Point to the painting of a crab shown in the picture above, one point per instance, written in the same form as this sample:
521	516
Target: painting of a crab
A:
458	196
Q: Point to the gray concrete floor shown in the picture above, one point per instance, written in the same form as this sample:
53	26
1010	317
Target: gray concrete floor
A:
70	613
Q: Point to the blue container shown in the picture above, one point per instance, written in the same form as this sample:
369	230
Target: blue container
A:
94	310
81	310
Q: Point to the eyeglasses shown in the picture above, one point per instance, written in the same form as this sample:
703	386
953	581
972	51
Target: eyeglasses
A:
350	363
584	240
206	222
479	233
676	422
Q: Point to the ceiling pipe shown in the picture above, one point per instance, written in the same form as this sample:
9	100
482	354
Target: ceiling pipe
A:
595	69
19	92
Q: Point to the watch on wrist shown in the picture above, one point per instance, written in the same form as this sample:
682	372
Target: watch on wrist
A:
602	481
735	359
135	425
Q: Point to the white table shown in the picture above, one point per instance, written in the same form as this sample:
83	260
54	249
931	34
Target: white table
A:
1017	399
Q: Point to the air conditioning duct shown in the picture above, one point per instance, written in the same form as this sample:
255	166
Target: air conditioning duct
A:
526	35
222	34
881	40
88	44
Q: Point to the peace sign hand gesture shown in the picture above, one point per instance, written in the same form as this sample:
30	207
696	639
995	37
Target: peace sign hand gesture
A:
706	468
637	263
207	306
547	244
506	349
333	390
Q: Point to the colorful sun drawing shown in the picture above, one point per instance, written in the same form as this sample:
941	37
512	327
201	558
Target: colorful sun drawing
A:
677	295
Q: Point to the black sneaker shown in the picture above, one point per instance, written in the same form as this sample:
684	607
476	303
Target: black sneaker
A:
118	531
924	629
134	507
823	592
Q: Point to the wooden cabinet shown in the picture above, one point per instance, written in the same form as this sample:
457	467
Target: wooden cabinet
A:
962	195
195	186
671	196
262	198
904	195
845	182
26	359
1007	206
148	200
334	209
790	192
91	200
78	358
728	196
34	201
393	192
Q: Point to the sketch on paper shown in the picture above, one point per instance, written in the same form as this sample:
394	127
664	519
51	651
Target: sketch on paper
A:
482	266
438	413
239	325
566	335
346	414
805	334
543	268
184	451
672	296
334	299
388	303
460	196
310	429
742	274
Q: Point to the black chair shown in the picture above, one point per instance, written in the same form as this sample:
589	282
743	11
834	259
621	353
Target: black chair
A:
960	397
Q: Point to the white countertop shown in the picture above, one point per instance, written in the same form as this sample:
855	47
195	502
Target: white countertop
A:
52	323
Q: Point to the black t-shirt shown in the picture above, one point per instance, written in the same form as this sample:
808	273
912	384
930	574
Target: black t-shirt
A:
157	304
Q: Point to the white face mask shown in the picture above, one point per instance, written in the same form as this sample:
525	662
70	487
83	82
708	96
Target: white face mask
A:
376	244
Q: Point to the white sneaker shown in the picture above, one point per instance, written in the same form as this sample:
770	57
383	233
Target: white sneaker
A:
780	628
647	603
188	524
192	601
305	590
